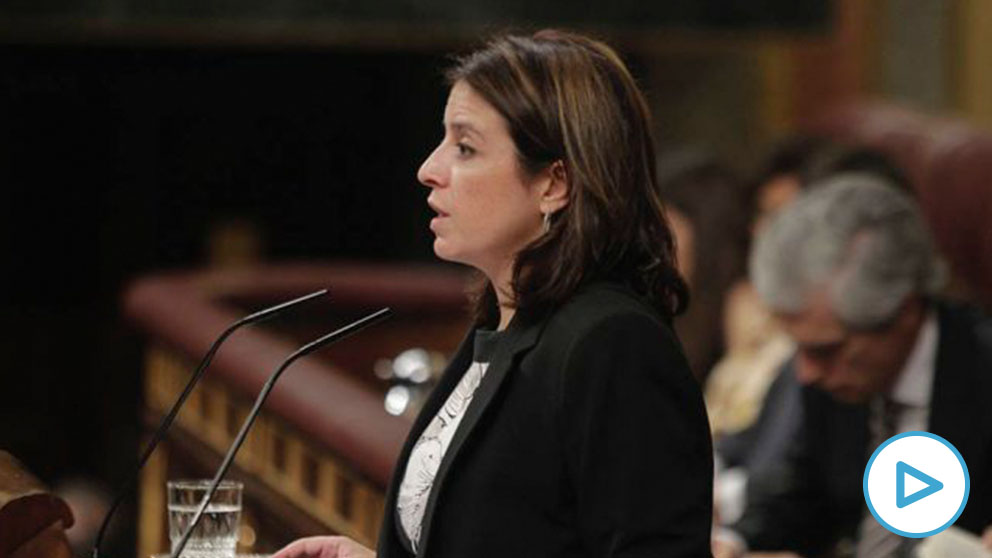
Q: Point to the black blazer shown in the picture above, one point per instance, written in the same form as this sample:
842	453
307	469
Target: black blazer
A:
587	437
814	498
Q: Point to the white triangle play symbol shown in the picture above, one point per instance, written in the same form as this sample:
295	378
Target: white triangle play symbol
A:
914	485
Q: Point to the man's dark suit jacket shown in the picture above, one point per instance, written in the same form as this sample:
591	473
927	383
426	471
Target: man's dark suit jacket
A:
815	498
586	437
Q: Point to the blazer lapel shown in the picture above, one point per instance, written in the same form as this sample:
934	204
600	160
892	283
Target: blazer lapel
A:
515	341
449	379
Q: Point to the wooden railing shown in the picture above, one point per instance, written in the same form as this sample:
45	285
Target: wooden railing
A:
319	457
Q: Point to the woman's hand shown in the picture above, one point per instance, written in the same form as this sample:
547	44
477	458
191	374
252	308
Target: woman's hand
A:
324	547
723	548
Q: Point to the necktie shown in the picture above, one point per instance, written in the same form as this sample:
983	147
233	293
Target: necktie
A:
875	541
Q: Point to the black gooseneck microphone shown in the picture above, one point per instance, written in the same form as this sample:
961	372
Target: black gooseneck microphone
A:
159	434
332	337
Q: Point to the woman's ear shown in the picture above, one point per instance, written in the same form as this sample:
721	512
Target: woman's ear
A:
555	189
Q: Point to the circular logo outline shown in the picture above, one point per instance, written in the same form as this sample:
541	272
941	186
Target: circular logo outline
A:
964	467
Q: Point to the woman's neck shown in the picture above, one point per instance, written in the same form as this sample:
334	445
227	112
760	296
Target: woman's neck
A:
502	282
505	316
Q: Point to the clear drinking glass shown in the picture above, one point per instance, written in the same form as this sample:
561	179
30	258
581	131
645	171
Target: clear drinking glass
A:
216	536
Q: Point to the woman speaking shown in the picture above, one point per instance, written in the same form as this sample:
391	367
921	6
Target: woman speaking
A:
568	423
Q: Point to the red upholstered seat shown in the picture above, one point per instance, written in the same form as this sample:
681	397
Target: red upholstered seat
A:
32	519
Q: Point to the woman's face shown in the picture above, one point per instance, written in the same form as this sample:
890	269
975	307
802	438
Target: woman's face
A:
487	209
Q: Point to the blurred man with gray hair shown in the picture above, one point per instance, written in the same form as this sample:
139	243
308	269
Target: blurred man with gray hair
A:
851	271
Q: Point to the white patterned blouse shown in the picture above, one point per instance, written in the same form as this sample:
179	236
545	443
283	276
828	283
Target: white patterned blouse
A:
425	459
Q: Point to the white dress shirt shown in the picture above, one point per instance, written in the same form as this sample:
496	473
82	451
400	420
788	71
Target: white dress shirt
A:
914	386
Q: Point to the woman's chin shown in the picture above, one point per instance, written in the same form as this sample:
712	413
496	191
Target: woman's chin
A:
442	250
445	251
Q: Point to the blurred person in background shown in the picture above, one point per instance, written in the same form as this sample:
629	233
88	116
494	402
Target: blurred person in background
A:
562	420
755	346
851	272
707	215
752	397
752	408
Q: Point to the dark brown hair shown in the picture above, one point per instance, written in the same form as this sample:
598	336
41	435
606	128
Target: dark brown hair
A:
569	98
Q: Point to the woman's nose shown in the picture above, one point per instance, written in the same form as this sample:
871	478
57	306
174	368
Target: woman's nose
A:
430	174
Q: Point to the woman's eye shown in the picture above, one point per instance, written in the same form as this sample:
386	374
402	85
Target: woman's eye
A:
464	150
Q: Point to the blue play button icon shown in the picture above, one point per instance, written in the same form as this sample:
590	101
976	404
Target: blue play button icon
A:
932	485
945	498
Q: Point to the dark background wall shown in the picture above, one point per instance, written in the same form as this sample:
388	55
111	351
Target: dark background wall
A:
116	161
729	14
